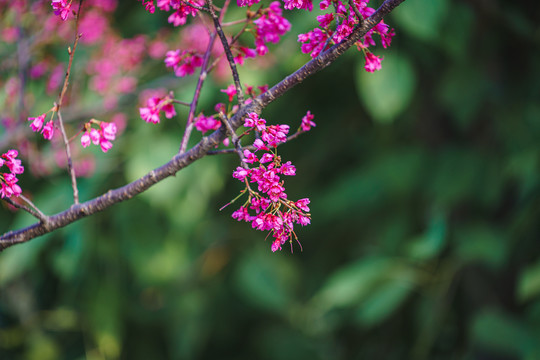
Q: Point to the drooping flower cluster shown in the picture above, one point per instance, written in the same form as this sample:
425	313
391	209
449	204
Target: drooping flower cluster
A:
154	105
181	9
268	208
37	126
319	39
183	62
61	8
102	136
8	180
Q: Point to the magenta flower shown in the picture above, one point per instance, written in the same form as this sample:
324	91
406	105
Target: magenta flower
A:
372	62
230	91
37	122
61	8
48	130
206	123
85	139
8	180
307	121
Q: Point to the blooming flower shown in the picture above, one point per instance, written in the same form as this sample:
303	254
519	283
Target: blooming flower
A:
61	8
372	62
230	91
37	122
206	123
307	121
154	105
48	130
274	212
8	180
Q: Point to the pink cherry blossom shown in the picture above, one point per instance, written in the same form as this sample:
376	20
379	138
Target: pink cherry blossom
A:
61	8
37	122
307	121
206	123
85	139
48	130
230	91
373	62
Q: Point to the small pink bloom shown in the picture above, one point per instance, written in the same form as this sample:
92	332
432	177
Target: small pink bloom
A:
303	204
204	123
373	62
85	139
288	169
106	145
259	145
250	157
95	136
61	8
230	91
109	130
267	157
37	122
240	173
307	122
48	130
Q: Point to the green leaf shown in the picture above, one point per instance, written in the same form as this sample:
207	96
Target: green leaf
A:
383	302
421	18
386	93
529	283
430	244
501	333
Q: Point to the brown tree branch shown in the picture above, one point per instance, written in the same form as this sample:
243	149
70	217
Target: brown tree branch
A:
228	53
180	161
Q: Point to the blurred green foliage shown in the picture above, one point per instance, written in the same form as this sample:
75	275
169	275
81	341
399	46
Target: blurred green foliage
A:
425	240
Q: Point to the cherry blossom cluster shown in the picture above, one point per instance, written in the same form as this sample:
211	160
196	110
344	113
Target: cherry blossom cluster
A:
37	126
155	105
181	9
268	208
345	21
270	26
183	62
8	180
102	136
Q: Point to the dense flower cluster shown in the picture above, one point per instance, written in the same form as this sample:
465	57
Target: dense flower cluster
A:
37	126
183	62
319	39
181	9
270	209
102	136
8	180
270	26
154	105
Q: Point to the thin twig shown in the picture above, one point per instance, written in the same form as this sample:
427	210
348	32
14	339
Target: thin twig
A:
181	102
35	213
356	12
230	58
196	95
71	169
58	106
234	138
193	105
